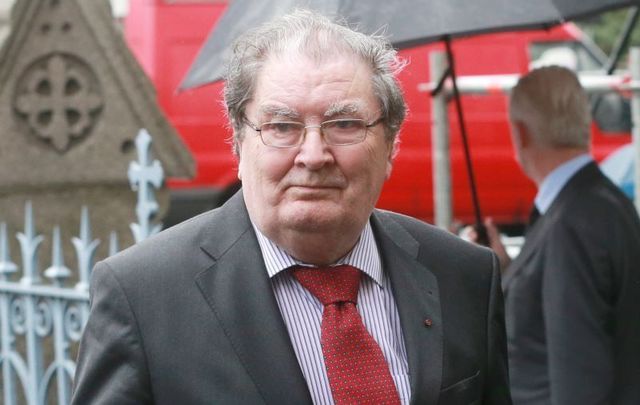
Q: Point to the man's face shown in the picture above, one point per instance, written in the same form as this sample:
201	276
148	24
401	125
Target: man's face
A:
314	186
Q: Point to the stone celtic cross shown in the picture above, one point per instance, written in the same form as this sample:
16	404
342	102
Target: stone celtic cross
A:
56	100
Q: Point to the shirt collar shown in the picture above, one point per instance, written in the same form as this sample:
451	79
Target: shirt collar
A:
364	255
555	181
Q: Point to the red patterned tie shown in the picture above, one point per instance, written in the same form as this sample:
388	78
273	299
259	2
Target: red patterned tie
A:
357	370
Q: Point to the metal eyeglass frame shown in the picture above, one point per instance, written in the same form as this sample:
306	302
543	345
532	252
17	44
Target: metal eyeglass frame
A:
258	129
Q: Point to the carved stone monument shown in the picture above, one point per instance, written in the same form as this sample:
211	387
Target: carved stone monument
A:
73	99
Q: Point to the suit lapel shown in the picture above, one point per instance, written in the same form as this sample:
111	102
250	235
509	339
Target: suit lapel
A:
239	292
417	298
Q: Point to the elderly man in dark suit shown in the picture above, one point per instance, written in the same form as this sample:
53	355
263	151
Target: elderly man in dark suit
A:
297	290
573	293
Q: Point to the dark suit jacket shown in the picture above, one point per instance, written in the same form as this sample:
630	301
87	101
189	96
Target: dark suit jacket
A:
189	317
573	300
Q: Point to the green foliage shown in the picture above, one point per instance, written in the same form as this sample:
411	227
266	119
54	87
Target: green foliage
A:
606	28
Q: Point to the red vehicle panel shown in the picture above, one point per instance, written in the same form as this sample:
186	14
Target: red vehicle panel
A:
166	35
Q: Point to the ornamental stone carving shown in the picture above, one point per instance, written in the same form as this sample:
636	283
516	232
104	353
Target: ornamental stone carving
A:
75	98
60	99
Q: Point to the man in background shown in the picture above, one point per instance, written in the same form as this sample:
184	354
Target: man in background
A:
572	295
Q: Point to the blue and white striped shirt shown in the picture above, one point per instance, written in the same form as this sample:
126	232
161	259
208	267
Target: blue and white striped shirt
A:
302	313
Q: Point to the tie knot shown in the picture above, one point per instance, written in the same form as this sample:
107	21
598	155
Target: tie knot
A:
332	284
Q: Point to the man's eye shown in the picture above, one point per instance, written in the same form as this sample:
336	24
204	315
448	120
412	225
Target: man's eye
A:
281	127
344	125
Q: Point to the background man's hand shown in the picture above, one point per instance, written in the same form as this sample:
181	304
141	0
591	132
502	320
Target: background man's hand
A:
471	234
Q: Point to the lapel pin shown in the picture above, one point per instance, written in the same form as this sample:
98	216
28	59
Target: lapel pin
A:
428	322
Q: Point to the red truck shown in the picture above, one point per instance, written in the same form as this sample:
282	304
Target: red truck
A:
165	36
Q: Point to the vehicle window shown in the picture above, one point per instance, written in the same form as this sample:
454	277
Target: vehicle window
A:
611	111
571	54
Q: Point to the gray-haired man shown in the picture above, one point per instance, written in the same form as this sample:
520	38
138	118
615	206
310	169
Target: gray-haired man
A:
297	290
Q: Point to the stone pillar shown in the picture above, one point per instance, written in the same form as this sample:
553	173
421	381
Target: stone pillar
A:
76	100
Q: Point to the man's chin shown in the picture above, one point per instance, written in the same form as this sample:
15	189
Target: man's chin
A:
306	216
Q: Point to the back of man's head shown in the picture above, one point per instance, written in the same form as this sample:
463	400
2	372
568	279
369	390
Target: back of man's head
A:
553	106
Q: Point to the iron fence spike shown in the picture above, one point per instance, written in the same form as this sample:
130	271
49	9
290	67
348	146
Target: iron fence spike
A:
113	243
57	272
6	265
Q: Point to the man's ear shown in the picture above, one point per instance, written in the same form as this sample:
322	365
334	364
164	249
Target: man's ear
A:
523	135
236	151
393	151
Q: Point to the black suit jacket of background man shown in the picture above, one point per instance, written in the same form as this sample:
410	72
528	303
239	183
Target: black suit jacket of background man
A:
573	300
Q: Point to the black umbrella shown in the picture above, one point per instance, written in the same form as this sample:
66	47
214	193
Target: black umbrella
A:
407	23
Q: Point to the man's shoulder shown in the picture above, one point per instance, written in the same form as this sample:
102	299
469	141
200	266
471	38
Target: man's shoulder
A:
592	212
393	221
189	245
412	233
456	263
594	199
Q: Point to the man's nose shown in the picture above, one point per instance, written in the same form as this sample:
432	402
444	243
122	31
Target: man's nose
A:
314	153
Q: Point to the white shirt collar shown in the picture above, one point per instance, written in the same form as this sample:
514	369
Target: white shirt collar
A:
364	255
555	181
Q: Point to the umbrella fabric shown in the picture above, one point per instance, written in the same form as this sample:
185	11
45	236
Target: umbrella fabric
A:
406	22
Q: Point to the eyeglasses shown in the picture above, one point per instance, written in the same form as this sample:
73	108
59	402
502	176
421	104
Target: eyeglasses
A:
288	134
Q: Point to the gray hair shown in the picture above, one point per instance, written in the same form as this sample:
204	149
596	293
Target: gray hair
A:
551	102
316	36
